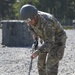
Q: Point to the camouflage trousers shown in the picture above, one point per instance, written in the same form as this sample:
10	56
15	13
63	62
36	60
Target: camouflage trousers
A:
48	62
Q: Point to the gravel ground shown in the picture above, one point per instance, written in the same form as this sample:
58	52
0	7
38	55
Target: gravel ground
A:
16	60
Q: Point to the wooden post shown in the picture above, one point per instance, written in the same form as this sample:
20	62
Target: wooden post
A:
74	24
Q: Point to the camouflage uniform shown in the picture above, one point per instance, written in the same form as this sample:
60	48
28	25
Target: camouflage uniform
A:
54	37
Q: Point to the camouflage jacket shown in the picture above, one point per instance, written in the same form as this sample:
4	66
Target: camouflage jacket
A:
49	30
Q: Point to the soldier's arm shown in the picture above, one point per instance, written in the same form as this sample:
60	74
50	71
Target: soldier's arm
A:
35	38
49	36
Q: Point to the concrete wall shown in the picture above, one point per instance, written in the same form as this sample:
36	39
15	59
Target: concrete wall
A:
15	33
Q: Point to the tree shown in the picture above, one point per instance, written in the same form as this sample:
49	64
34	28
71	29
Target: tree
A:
62	9
6	9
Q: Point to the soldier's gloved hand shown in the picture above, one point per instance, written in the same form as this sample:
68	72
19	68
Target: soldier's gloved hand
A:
35	54
35	44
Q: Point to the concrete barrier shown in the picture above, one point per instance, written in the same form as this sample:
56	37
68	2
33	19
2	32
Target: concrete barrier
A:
15	33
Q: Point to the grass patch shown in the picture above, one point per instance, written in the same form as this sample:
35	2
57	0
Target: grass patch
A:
68	27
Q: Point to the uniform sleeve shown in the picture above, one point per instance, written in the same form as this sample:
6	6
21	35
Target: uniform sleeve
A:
34	35
31	30
49	38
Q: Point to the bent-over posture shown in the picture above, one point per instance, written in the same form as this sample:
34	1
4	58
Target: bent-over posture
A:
53	38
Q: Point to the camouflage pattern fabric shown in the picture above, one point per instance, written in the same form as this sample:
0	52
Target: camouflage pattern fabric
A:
54	37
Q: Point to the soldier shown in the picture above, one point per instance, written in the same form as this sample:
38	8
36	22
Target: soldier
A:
46	27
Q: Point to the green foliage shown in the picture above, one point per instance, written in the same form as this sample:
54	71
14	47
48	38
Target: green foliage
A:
6	9
62	9
68	27
16	10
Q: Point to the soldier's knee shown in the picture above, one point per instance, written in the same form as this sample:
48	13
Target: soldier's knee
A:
52	69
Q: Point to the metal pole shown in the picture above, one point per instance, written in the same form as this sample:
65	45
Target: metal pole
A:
30	66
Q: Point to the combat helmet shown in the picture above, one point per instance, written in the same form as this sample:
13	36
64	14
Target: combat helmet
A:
28	12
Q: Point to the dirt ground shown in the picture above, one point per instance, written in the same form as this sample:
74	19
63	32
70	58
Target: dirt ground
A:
16	60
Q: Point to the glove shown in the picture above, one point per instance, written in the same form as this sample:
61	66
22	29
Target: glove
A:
35	44
35	54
